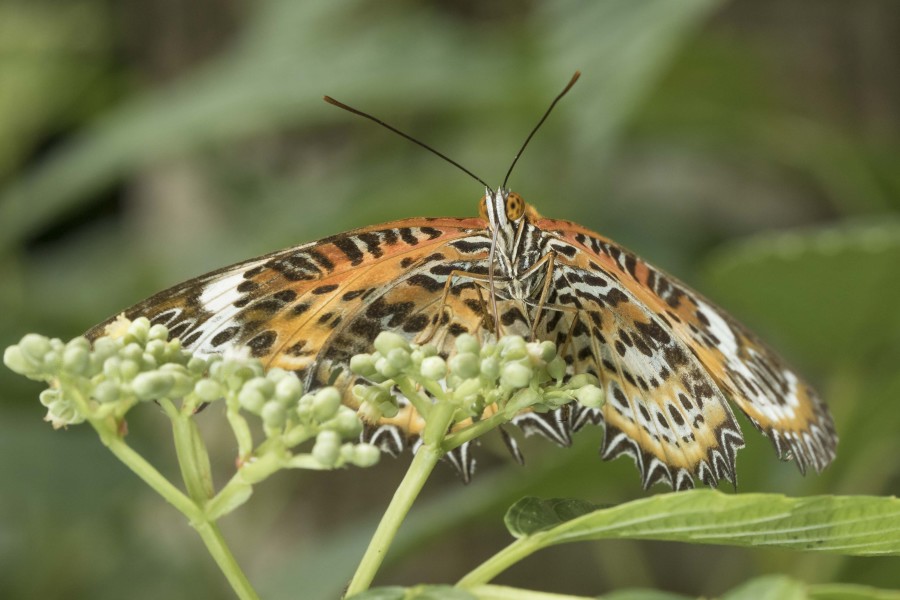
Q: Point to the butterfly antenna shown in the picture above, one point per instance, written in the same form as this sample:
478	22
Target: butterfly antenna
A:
334	102
541	122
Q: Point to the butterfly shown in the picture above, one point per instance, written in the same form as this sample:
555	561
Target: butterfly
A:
669	360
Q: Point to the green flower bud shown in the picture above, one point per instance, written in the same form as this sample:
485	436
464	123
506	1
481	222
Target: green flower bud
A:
128	369
304	408
465	364
208	390
490	367
327	448
34	347
52	361
581	380
148	362
251	400
590	396
433	367
132	351
111	367
362	364
106	392
288	389
346	423
384	368
276	374
78	342
556	368
105	347
326	403
347	452
546	351
261	385
467	343
512	347
76	357
365	455
157	348
138	330
515	375
19	362
152	385
273	414
387	341
197	365
399	358
158	332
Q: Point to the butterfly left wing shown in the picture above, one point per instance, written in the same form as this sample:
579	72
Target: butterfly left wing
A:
780	404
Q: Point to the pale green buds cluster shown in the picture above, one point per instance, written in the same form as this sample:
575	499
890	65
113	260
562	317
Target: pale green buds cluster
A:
137	363
511	374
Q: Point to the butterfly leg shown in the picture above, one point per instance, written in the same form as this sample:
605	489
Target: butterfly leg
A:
438	320
546	262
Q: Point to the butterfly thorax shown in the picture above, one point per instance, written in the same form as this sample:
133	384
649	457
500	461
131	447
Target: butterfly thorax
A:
515	242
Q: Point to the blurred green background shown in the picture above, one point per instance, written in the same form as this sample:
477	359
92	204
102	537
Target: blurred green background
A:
750	147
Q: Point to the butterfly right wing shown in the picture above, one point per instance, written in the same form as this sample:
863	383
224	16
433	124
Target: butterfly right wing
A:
777	401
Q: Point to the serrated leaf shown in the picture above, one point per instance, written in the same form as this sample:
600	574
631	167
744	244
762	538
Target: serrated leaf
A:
530	515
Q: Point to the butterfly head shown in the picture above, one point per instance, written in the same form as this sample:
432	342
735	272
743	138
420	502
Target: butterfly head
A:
504	210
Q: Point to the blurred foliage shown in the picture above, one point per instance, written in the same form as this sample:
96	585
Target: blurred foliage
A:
144	143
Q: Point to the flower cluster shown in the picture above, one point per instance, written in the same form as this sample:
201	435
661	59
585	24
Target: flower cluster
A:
501	379
137	362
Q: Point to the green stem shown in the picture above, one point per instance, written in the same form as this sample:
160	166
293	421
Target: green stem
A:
217	547
501	561
107	429
423	463
420	402
473	431
191	452
147	473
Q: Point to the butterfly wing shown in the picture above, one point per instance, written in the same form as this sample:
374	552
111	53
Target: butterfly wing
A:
698	346
310	308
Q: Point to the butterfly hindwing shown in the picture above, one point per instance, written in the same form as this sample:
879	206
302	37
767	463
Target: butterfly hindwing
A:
777	401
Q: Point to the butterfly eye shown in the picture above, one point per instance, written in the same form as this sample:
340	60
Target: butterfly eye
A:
515	207
482	208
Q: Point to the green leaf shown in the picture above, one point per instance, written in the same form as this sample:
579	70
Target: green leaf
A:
851	525
774	587
641	594
530	515
425	592
831	292
843	591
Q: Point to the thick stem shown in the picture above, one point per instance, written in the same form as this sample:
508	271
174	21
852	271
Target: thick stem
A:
422	465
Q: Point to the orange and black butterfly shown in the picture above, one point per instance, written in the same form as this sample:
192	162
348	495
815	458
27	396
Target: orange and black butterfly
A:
668	360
